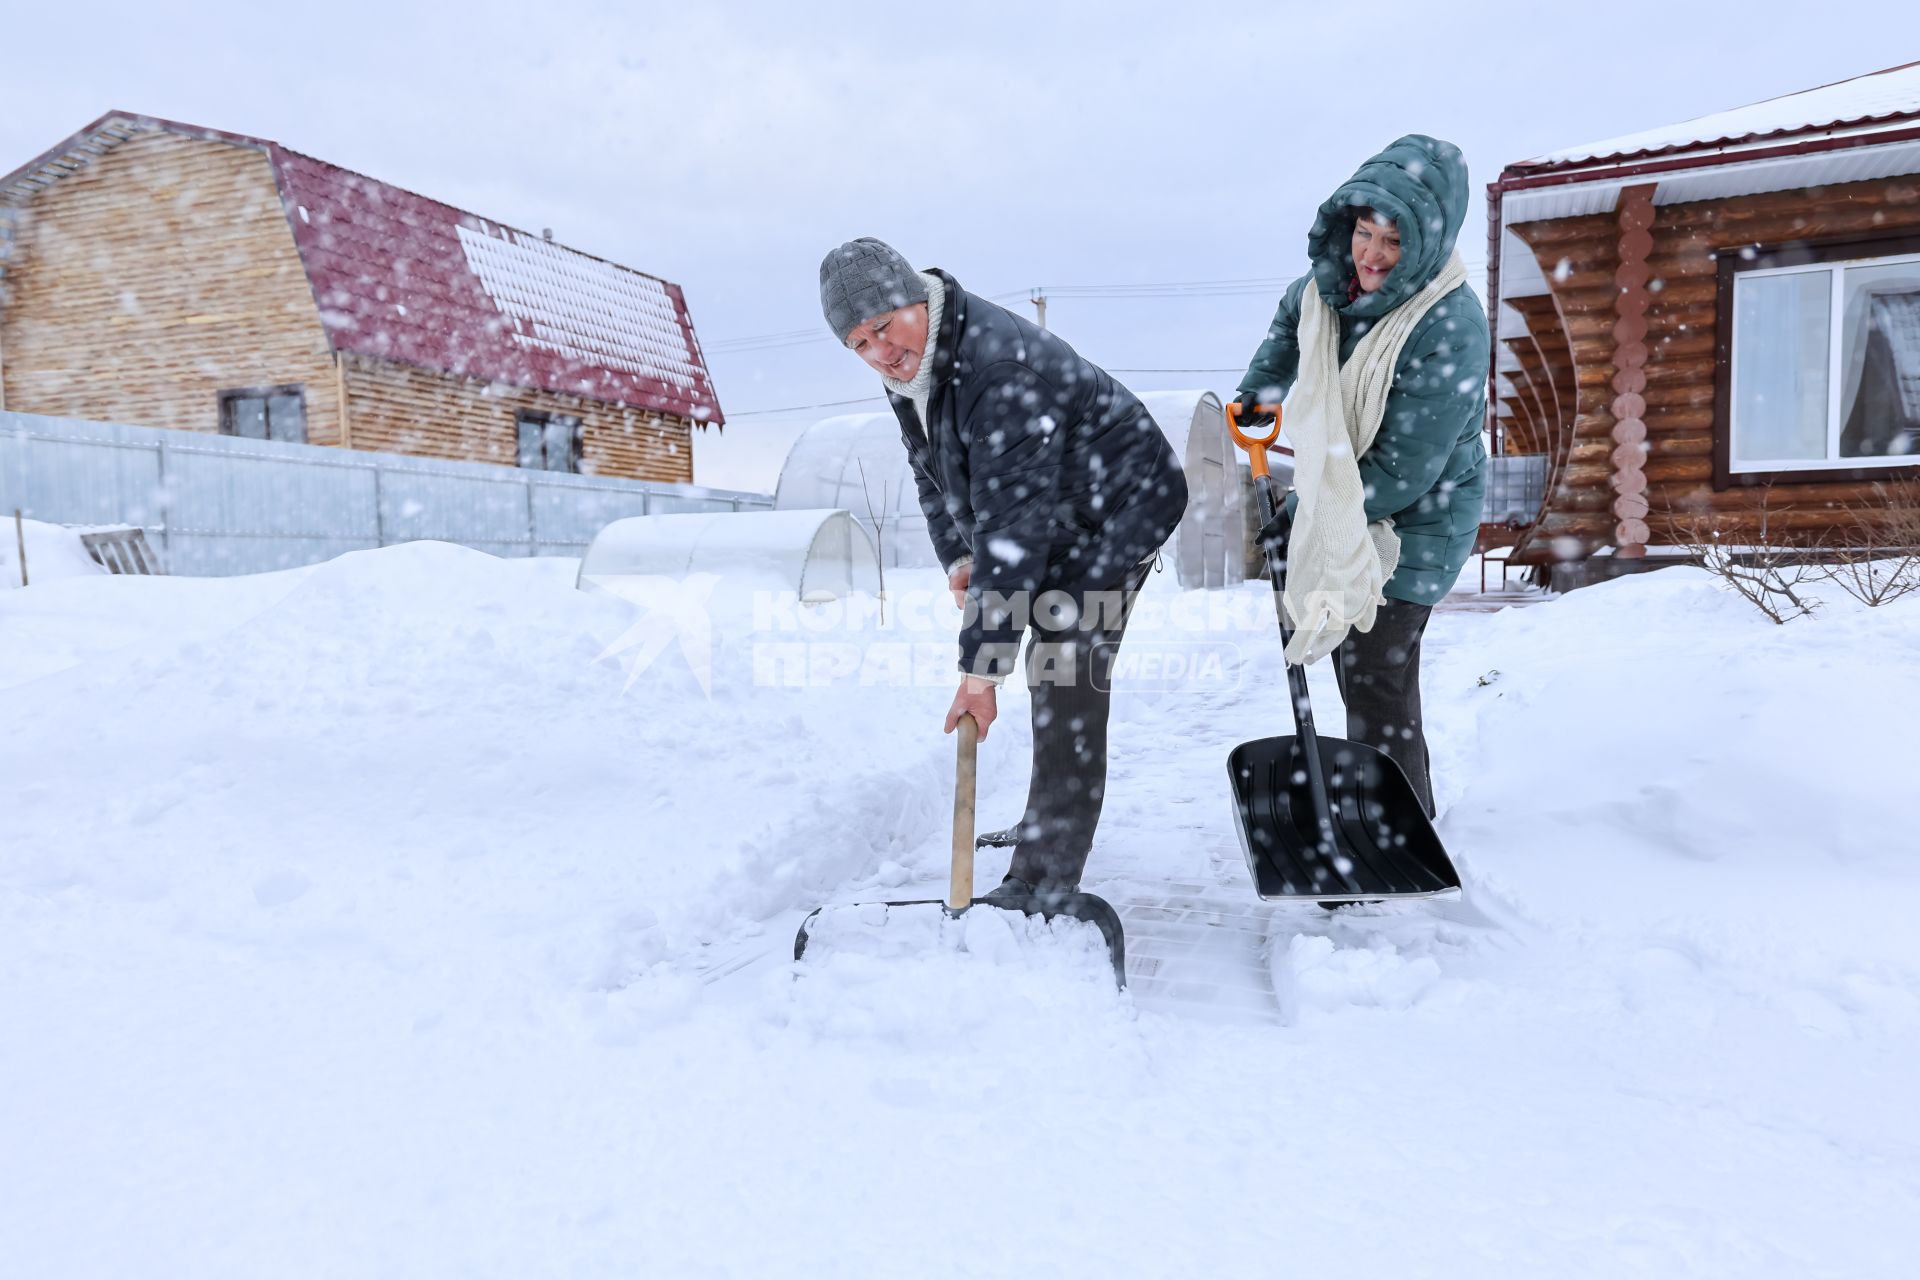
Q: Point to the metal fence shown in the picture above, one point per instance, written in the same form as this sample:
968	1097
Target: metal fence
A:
218	505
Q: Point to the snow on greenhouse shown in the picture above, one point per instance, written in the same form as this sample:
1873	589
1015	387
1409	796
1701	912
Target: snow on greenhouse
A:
821	554
857	462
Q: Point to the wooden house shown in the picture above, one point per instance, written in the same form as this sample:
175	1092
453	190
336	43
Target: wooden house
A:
1712	327
164	275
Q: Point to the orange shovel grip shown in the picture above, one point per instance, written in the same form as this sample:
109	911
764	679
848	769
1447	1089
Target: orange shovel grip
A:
1256	446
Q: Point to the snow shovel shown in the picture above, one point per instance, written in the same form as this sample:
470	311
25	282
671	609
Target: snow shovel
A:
1324	818
959	900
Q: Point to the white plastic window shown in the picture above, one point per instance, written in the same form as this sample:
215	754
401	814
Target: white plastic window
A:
1826	366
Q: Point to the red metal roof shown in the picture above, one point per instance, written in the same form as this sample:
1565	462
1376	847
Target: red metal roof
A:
404	278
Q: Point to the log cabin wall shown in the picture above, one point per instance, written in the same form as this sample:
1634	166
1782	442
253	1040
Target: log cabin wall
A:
1580	258
401	409
1544	384
154	278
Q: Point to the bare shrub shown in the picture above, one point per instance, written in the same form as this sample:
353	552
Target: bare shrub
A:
1880	561
1771	576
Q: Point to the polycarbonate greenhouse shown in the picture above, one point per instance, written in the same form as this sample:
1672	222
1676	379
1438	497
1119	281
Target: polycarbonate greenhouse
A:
856	462
1207	548
822	555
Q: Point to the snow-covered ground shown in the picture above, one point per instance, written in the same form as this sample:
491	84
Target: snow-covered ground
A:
371	919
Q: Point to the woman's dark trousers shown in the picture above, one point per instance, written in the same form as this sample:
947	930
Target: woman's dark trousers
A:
1379	675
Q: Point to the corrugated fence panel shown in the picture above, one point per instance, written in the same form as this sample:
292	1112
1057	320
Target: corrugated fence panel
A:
668	504
566	516
245	506
218	505
487	510
96	472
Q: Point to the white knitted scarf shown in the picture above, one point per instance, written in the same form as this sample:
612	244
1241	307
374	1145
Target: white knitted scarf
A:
1337	563
920	388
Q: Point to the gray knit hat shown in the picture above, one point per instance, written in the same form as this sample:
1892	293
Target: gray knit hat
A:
864	278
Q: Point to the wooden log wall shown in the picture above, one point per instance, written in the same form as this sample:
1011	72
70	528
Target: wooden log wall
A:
401	409
1580	258
1629	435
152	280
1550	393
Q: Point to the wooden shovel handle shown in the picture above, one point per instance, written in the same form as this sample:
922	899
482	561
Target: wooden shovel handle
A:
966	768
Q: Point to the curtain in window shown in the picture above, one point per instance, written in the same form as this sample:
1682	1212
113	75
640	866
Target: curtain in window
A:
1882	414
1781	328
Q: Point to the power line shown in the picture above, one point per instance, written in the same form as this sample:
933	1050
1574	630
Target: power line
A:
813	333
1167	289
1086	292
840	404
796	408
1170	289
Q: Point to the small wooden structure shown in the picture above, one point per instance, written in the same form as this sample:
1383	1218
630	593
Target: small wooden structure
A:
173	276
1714	327
122	550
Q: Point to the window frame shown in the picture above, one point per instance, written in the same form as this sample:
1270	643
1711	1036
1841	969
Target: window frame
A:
576	444
225	397
1833	254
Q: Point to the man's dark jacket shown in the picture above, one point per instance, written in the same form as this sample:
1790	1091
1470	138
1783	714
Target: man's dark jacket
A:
1039	465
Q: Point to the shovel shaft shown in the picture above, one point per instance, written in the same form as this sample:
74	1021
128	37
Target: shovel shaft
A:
1308	738
960	887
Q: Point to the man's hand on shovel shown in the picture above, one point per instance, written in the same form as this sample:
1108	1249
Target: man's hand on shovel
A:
977	698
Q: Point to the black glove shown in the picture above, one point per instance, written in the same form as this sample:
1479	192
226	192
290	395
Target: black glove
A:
1250	415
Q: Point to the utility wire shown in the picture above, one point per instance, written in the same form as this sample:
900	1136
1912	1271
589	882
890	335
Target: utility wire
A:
837	404
796	408
813	333
1116	292
1163	289
1169	289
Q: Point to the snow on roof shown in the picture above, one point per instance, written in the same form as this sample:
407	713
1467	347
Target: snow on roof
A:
1883	98
404	278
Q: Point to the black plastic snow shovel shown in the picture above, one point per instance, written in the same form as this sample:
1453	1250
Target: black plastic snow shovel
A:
1085	907
1324	818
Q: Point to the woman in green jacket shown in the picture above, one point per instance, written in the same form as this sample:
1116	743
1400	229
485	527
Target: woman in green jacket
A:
1387	524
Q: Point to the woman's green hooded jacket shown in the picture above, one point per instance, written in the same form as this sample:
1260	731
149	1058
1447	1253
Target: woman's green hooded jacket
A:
1427	468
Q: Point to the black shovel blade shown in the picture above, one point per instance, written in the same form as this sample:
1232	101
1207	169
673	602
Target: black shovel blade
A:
1091	908
1383	846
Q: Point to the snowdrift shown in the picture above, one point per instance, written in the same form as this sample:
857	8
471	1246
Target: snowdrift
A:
419	912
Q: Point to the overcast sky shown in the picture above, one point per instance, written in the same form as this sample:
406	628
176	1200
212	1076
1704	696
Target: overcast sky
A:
727	146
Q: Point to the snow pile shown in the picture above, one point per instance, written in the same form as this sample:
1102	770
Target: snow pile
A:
1315	974
449	726
1660	726
417	913
54	553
